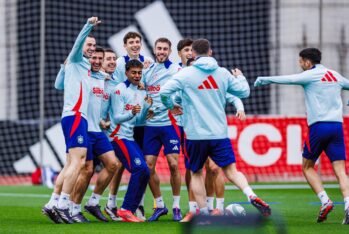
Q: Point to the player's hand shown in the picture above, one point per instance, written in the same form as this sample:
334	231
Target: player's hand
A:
94	20
104	124
146	64
136	109
236	72
241	115
149	100
260	82
177	110
150	114
141	86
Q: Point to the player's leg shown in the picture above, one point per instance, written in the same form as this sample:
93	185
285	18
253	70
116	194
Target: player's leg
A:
339	170
221	152
214	176
192	202
317	141
335	151
152	145
138	136
103	148
209	185
53	202
80	189
197	153
111	207
171	141
131	157
75	134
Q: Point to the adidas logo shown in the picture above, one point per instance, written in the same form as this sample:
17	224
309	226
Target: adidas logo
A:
209	83
328	77
175	148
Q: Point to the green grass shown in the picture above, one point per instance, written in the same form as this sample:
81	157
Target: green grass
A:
297	207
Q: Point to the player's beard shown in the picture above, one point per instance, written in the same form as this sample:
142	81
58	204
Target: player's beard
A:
161	59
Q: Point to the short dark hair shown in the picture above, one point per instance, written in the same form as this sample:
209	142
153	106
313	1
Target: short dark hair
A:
91	36
184	43
164	40
109	50
132	35
312	54
201	46
189	61
99	49
133	63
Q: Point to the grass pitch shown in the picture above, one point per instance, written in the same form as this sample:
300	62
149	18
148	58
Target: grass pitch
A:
20	212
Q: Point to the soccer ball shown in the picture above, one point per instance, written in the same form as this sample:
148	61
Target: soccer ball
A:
235	210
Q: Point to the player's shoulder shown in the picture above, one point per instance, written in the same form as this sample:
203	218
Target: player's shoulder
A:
120	89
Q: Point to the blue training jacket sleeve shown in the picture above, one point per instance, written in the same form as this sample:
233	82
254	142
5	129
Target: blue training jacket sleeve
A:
296	79
76	54
59	82
118	103
235	101
344	82
238	86
168	89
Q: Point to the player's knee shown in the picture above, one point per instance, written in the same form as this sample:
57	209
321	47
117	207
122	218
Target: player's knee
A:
151	166
111	167
173	167
214	170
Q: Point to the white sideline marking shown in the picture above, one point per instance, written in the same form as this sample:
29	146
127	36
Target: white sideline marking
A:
168	188
33	195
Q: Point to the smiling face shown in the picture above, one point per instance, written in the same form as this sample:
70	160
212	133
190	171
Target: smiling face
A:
133	47
134	75
162	51
96	61
89	47
109	62
185	54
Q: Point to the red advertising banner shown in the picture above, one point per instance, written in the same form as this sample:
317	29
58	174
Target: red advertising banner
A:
267	149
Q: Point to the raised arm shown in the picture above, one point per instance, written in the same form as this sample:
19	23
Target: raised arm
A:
76	54
59	82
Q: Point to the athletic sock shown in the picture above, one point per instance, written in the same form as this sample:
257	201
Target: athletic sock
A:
323	197
220	204
176	200
94	200
210	201
159	202
249	192
111	201
63	201
53	201
76	209
193	207
346	203
204	211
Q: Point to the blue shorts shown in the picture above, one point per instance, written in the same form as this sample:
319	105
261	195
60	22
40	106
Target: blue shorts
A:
75	131
156	137
129	153
98	145
220	151
138	135
325	136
